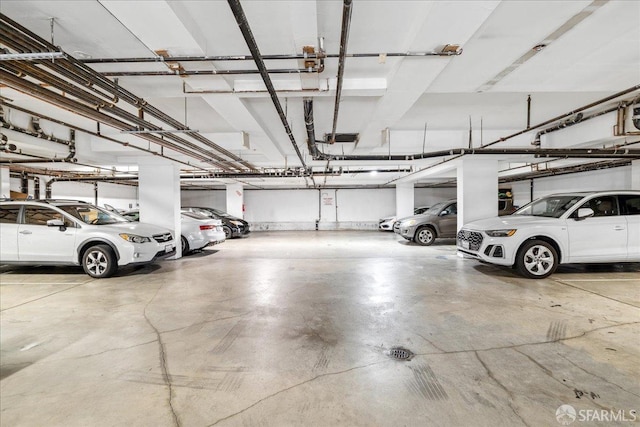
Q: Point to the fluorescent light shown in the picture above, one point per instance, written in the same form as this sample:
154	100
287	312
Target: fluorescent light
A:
31	56
160	131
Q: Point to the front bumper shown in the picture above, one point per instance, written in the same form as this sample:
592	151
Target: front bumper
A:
406	232
478	245
143	253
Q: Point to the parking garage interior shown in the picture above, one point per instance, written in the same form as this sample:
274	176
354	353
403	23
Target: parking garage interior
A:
312	121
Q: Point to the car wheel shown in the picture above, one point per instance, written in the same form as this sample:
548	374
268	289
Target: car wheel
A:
227	232
425	236
537	259
99	261
185	245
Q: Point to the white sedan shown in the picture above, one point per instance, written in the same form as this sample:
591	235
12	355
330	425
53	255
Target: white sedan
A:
199	231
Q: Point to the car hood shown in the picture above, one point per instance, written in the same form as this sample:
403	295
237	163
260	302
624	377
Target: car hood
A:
420	217
511	221
387	218
139	228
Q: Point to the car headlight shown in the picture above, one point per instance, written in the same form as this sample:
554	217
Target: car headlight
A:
409	223
236	223
134	238
501	233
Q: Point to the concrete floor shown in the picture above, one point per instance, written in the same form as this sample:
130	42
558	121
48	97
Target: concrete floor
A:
295	329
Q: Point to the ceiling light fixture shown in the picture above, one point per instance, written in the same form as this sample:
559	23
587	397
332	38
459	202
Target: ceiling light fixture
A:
160	131
31	56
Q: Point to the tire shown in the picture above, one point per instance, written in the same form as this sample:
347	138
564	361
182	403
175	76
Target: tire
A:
99	262
425	235
185	245
537	259
227	232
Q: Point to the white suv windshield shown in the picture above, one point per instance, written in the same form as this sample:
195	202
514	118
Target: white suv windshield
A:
551	206
92	214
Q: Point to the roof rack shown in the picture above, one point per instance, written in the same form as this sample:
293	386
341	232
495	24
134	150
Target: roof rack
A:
60	200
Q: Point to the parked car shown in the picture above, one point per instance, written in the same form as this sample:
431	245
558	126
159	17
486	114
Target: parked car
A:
593	227
57	232
386	224
198	231
232	226
439	221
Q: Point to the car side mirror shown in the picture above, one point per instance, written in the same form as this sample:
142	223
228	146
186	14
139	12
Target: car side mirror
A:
56	223
444	213
584	213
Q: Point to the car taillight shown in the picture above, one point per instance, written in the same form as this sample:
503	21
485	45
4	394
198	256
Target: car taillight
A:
206	227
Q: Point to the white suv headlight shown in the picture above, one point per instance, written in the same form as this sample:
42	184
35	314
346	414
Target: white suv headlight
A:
134	238
501	233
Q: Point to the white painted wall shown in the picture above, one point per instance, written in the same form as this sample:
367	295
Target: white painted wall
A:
431	196
281	209
117	195
205	198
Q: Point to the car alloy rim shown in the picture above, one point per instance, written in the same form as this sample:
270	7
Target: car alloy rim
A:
538	260
97	263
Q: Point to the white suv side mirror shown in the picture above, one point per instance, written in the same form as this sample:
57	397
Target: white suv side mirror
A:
584	213
56	223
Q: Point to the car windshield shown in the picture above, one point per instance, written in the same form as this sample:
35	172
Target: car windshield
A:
551	206
435	209
90	214
420	211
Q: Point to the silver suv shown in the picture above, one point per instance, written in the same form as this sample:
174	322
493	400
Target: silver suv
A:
63	232
440	220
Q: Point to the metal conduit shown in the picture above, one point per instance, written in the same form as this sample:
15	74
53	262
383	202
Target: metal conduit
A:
564	116
344	39
536	152
245	29
78	108
221	58
94	114
88	132
86	76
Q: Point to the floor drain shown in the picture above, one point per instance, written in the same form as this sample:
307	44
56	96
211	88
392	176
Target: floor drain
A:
400	353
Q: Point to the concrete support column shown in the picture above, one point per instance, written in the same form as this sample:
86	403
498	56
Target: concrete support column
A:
635	175
235	200
404	199
5	183
477	189
159	195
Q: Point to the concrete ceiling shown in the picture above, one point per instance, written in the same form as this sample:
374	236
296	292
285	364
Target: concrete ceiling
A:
592	50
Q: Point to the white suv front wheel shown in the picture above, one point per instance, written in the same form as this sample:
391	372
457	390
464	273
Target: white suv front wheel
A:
99	261
536	259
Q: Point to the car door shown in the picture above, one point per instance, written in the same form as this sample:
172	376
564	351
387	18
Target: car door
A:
448	221
600	238
42	243
630	209
9	232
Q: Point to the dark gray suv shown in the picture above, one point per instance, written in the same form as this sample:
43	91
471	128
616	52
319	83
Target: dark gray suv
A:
441	220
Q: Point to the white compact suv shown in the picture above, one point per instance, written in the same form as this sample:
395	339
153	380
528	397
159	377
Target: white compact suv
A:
63	232
594	227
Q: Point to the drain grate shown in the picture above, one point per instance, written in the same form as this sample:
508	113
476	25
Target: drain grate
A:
400	353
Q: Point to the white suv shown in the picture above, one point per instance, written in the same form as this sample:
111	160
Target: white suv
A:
594	227
63	232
